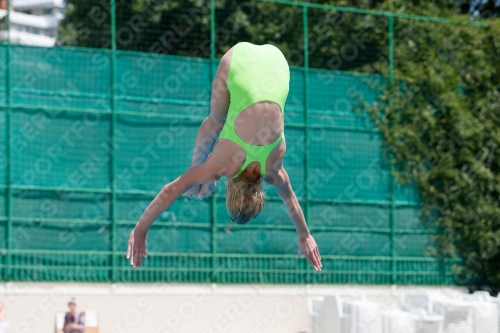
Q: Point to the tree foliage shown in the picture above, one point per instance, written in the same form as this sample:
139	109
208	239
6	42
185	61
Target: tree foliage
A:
183	27
441	122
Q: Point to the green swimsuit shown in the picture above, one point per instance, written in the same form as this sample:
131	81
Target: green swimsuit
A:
257	73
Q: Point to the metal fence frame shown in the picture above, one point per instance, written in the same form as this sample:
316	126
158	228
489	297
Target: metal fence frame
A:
113	191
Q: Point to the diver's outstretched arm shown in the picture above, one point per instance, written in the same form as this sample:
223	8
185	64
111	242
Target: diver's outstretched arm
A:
201	174
307	244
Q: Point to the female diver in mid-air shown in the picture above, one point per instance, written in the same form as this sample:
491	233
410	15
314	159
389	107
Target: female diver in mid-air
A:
246	126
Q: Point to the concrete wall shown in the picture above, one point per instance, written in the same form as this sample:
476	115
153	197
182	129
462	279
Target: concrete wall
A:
169	308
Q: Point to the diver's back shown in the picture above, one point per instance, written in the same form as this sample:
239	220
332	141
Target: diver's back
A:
258	83
257	73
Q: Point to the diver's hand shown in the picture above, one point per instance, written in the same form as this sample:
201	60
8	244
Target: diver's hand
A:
201	191
206	190
137	247
307	246
193	192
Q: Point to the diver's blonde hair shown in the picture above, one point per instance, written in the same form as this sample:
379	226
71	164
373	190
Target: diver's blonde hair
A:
244	199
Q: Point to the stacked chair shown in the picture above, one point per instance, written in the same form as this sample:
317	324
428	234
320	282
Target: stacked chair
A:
362	316
425	323
485	311
314	307
328	316
396	321
422	311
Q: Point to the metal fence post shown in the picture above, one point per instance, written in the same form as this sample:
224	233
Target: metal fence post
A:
8	138
212	40
112	175
213	202
305	29
392	181
213	238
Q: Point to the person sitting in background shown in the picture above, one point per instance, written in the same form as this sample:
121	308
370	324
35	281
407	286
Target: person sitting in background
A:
4	325
74	322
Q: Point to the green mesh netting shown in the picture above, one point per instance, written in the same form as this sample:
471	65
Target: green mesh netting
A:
74	197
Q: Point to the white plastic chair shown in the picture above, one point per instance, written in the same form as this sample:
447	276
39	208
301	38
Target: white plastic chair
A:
418	299
496	300
397	321
346	319
424	323
485	311
450	293
353	298
314	305
458	315
331	317
365	317
485	316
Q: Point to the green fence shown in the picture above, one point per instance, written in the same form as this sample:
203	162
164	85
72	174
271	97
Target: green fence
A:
96	126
